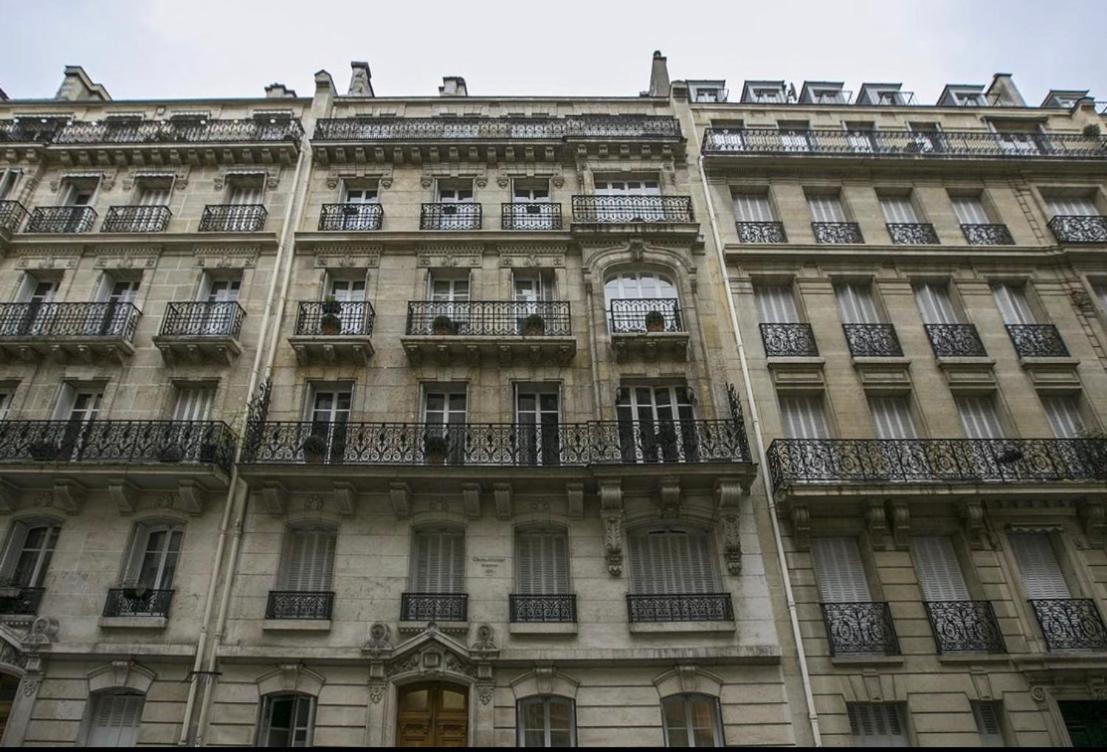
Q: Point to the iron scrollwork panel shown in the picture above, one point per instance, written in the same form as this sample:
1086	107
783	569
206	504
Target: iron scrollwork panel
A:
965	626
860	628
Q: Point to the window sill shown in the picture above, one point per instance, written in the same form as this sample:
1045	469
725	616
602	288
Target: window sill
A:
296	625
867	660
669	627
449	627
959	659
133	622
552	628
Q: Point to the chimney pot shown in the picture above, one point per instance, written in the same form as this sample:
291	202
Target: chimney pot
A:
279	91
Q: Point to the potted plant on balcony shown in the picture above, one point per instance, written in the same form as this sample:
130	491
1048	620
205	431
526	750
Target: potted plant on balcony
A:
43	450
667	441
442	326
315	449
655	321
435	449
331	323
171	453
1092	130
1009	455
134	590
534	326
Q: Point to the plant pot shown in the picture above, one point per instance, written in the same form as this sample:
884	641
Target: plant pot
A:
442	326
43	451
208	451
331	325
435	449
1091	130
171	453
534	326
655	321
1009	456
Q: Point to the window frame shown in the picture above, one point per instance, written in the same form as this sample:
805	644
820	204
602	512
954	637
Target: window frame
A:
687	698
265	719
545	700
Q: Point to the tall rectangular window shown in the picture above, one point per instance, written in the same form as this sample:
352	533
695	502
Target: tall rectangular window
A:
898	210
826	208
803	416
115	719
775	304
856	303
28	553
8	180
547	721
892	416
155	550
970	210
938	569
1042	576
194	403
542	562
1063	411
691	720
674	562
935	303
438	564
839	570
1013	303
979	416
308	561
1072	205
877	724
5	403
753	207
287	720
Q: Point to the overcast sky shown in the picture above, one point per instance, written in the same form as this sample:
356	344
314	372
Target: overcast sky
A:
202	48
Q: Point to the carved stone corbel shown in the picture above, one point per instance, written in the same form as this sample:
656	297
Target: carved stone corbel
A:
345	498
379	645
190	497
574	493
69	496
501	492
9	495
800	518
400	496
668	497
470	494
901	523
1093	517
876	522
732	542
613	543
273	496
124	494
972	520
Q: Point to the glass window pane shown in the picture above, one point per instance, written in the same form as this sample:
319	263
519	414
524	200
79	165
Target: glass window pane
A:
675	725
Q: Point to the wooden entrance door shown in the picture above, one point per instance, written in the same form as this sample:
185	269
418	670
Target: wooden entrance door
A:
432	714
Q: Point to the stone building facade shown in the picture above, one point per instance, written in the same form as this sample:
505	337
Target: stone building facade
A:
658	420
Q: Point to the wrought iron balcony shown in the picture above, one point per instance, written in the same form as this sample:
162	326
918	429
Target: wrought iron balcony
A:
965	627
902	144
912	233
489	318
137	601
21	601
835	233
54	321
543	608
496	129
788	340
200	130
638	315
679	607
233	218
1079	229
335	318
216	319
459	216
955	341
761	232
186	442
936	461
987	235
351	217
439	607
136	219
299	604
61	219
860	629
872	340
530	215
633	209
29	130
1037	341
12	215
1071	623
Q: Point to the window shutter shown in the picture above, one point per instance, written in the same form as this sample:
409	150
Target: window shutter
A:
987	723
970	210
154	196
839	571
672	562
194	403
804	417
17	538
935	304
856	303
938	569
1063	411
1012	304
440	562
752	207
1080	206
892	416
543	565
116	718
877	724
309	562
775	304
979	417
898	210
826	209
245	195
1041	572
138	552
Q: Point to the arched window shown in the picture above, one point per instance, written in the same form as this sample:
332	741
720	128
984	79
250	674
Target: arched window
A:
546	721
287	720
632	296
115	718
691	720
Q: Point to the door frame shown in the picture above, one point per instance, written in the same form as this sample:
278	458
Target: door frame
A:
392	707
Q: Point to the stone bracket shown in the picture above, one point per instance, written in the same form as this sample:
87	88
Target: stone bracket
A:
124	494
69	496
1093	517
901	524
191	496
470	494
400	495
345	498
732	542
574	493
501	492
876	522
274	496
669	500
800	517
611	509
972	520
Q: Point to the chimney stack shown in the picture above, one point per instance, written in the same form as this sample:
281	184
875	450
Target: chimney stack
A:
279	91
78	87
453	86
361	83
659	75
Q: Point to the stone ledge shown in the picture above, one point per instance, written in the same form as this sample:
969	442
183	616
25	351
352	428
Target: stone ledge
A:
669	627
296	625
549	629
449	627
133	622
960	659
867	660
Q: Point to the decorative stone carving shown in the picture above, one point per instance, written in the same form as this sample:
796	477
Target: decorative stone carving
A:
178	177
972	520
800	517
226	256
43	631
379	644
376	692
125	257
1082	301
732	543
347	256
484	692
876	521
541	256
668	497
62	257
442	255
901	523
382	176
271	176
400	496
106	178
486	640
613	543
574	492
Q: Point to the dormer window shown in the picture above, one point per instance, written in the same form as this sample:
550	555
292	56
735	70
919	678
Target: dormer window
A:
707	91
768	95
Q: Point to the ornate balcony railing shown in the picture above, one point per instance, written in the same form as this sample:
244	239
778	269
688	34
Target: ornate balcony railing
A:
530	215
450	216
1037	341
510	128
190	131
490	318
835	233
23	603
788	340
61	219
12	215
189	442
136	219
114	320
634	315
1071	623
955	341
29	130
498	444
203	319
761	232
680	607
233	218
138	601
633	209
902	143
299	604
543	608
434	607
1079	229
351	217
868	461
872	340
987	235
965	627
334	318
860	629
912	233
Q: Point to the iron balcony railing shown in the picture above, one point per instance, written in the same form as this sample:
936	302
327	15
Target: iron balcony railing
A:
530	215
424	607
835	233
788	340
1079	229
351	217
860	629
233	218
186	442
61	219
902	143
111	320
633	209
490	318
450	216
12	215
299	604
23	602
761	232
498	444
955	341
965	627
334	318
136	219
1037	341
203	318
560	608
138	601
636	315
181	131
497	129
912	233
866	461
1070	623
679	607
872	340
29	130
987	235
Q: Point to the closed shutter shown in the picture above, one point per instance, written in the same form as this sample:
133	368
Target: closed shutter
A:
1041	572
776	304
803	416
543	563
938	569
826	209
839	571
1078	206
898	210
892	416
1012	304
935	303
1063	411
309	561
856	303
439	562
987	715
115	720
979	416
154	196
194	403
671	562
753	207
970	210
245	194
877	724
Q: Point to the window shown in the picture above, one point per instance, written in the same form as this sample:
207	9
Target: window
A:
9	178
979	416
245	191
547	721
970	210
656	424
27	556
691	721
308	561
1065	417
113	317
938	569
768	94
438	564
1042	577
5	400
753	207
358	193
542	562
632	296
935	303
444	410
898	210
968	99
154	554
828	96
927	137
154	192
856	303
1072	206
672	562
530	191
861	136
1013	303
877	724
826	208
1100	290
287	720
79	405
839	571
329	416
349	294
987	714
803	416
115	719
892	416
537	416
194	402
78	191
775	304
